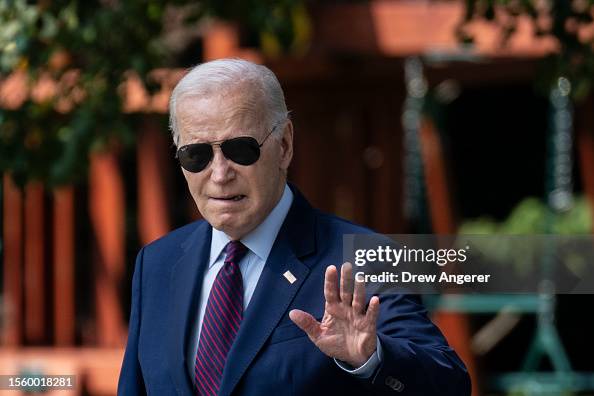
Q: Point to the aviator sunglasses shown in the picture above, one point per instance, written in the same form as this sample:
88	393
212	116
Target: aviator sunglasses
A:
243	150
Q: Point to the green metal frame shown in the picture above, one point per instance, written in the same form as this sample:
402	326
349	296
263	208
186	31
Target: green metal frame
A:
545	344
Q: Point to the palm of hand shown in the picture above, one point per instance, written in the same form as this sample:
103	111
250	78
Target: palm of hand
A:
347	331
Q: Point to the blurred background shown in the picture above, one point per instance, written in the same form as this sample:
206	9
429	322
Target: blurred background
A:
420	116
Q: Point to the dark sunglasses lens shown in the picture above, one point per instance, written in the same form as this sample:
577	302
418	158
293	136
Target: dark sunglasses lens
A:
195	157
241	150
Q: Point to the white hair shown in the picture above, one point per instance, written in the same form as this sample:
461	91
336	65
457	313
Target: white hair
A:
225	74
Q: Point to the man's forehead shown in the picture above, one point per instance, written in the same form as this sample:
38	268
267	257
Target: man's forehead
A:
218	117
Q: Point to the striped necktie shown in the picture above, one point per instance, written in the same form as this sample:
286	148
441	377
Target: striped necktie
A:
223	315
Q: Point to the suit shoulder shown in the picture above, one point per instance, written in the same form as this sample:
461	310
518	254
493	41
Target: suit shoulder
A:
174	238
329	224
341	225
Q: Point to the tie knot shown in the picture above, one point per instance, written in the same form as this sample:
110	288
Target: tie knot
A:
235	251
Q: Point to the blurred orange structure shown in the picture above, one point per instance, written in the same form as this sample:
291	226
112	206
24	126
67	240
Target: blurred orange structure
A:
40	227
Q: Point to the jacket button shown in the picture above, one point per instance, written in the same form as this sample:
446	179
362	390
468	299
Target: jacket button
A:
394	384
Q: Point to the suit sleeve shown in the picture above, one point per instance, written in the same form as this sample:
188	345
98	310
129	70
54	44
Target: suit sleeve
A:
131	381
416	357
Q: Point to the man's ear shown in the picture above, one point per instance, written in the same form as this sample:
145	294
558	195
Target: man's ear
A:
286	146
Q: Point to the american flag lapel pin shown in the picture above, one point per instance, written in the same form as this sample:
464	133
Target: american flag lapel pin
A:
290	277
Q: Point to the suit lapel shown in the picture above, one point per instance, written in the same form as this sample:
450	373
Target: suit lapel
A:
274	293
185	283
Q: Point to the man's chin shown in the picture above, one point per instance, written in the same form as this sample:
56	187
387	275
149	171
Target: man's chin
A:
233	229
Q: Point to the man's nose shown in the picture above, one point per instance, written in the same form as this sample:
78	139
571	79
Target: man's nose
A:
221	169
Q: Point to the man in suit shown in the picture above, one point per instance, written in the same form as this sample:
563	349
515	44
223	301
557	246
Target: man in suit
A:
245	302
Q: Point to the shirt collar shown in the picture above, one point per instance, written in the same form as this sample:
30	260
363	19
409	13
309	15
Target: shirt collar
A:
261	239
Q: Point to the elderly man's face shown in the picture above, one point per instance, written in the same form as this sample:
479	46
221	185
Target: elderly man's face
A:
234	198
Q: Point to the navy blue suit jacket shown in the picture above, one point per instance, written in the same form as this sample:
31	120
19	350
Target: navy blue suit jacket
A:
271	355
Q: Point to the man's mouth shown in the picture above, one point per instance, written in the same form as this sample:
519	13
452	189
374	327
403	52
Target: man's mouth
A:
234	198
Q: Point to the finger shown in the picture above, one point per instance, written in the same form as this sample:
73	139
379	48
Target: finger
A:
359	297
346	283
373	310
331	285
306	322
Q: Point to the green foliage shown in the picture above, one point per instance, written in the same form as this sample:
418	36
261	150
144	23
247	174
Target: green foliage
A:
564	20
101	42
88	48
532	216
279	20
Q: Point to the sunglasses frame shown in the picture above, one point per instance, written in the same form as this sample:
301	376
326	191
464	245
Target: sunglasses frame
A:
219	143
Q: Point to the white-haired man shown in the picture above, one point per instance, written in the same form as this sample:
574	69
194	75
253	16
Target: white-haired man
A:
244	302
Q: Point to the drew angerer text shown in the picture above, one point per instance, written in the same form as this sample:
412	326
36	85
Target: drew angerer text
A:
408	277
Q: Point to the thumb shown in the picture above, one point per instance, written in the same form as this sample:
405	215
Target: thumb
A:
306	322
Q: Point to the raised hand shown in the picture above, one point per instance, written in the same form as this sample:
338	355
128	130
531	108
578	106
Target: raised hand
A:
347	331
